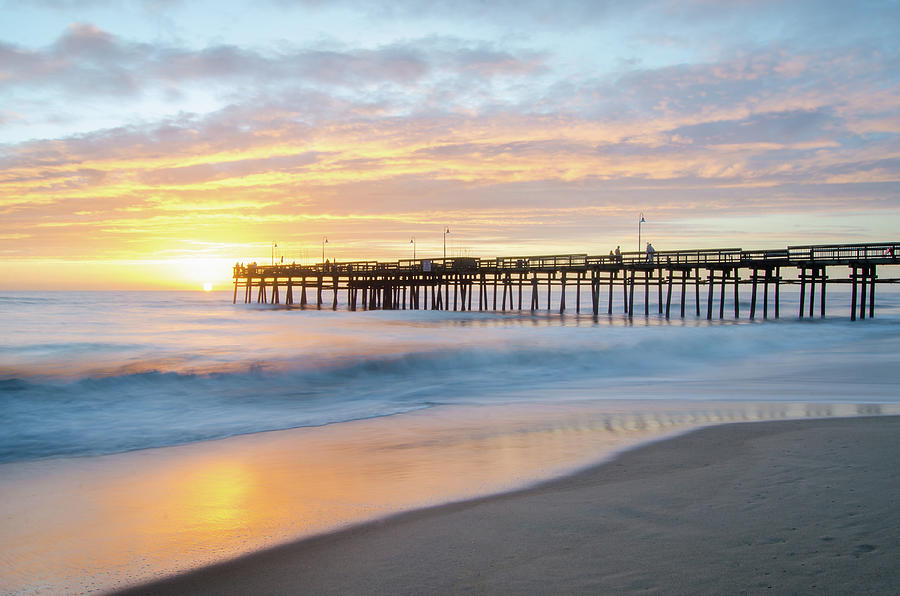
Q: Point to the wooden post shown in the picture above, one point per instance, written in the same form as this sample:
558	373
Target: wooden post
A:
824	283
777	292
669	293
812	289
505	287
722	294
446	281
521	275
766	293
289	295
494	302
319	291
697	290
872	291
550	277
630	305
234	300
864	270
802	291
684	276
709	300
480	282
578	292
853	276
625	290
562	294
612	279
647	292
753	293
737	293
659	285
334	302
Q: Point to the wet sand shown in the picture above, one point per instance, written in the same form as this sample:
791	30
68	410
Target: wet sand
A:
806	506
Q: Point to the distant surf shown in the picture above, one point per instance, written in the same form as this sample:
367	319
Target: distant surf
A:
86	373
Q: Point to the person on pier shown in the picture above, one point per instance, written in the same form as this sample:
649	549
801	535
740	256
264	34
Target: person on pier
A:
650	251
618	254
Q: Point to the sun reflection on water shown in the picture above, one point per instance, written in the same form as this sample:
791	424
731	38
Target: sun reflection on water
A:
103	522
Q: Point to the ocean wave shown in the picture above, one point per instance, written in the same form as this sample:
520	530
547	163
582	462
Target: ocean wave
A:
134	406
179	371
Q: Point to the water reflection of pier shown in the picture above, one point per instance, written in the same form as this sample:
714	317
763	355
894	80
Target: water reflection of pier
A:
502	283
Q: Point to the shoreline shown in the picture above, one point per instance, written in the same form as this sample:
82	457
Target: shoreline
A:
789	506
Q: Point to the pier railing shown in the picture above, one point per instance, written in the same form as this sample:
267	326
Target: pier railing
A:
845	253
827	254
412	282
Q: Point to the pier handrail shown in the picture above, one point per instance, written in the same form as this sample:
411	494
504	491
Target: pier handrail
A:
756	256
683	257
845	252
540	261
874	252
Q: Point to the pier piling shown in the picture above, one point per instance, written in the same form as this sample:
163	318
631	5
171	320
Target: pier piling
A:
416	284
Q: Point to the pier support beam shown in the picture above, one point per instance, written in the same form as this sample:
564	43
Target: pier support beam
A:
755	278
697	289
630	305
562	293
737	293
669	293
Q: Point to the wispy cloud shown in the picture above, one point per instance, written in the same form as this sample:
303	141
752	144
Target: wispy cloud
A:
509	140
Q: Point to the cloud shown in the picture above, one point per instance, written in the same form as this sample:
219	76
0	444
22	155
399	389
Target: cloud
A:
208	172
87	61
377	142
776	128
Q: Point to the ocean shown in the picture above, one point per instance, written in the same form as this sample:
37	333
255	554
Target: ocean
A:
401	408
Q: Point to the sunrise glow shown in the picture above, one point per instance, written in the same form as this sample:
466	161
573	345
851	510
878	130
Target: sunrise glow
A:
154	133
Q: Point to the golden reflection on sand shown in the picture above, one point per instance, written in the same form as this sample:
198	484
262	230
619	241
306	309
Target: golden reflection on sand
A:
101	522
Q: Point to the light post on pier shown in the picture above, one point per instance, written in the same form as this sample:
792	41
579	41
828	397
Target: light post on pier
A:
642	221
324	242
446	231
274	246
413	242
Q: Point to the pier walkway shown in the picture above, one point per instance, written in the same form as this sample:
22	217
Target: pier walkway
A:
501	283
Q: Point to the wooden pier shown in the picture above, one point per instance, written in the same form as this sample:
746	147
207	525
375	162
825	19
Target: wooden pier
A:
590	282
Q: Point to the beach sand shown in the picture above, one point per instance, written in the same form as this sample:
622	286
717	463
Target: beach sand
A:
808	506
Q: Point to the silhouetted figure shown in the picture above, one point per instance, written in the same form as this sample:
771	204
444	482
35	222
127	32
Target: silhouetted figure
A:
650	251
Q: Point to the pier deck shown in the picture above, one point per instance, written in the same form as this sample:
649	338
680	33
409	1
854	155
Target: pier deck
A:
501	283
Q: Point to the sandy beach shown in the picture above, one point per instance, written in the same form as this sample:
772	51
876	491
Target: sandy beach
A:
803	506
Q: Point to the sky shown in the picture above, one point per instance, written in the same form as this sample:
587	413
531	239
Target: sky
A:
154	143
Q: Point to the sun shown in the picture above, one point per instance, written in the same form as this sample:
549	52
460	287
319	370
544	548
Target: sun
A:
207	287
